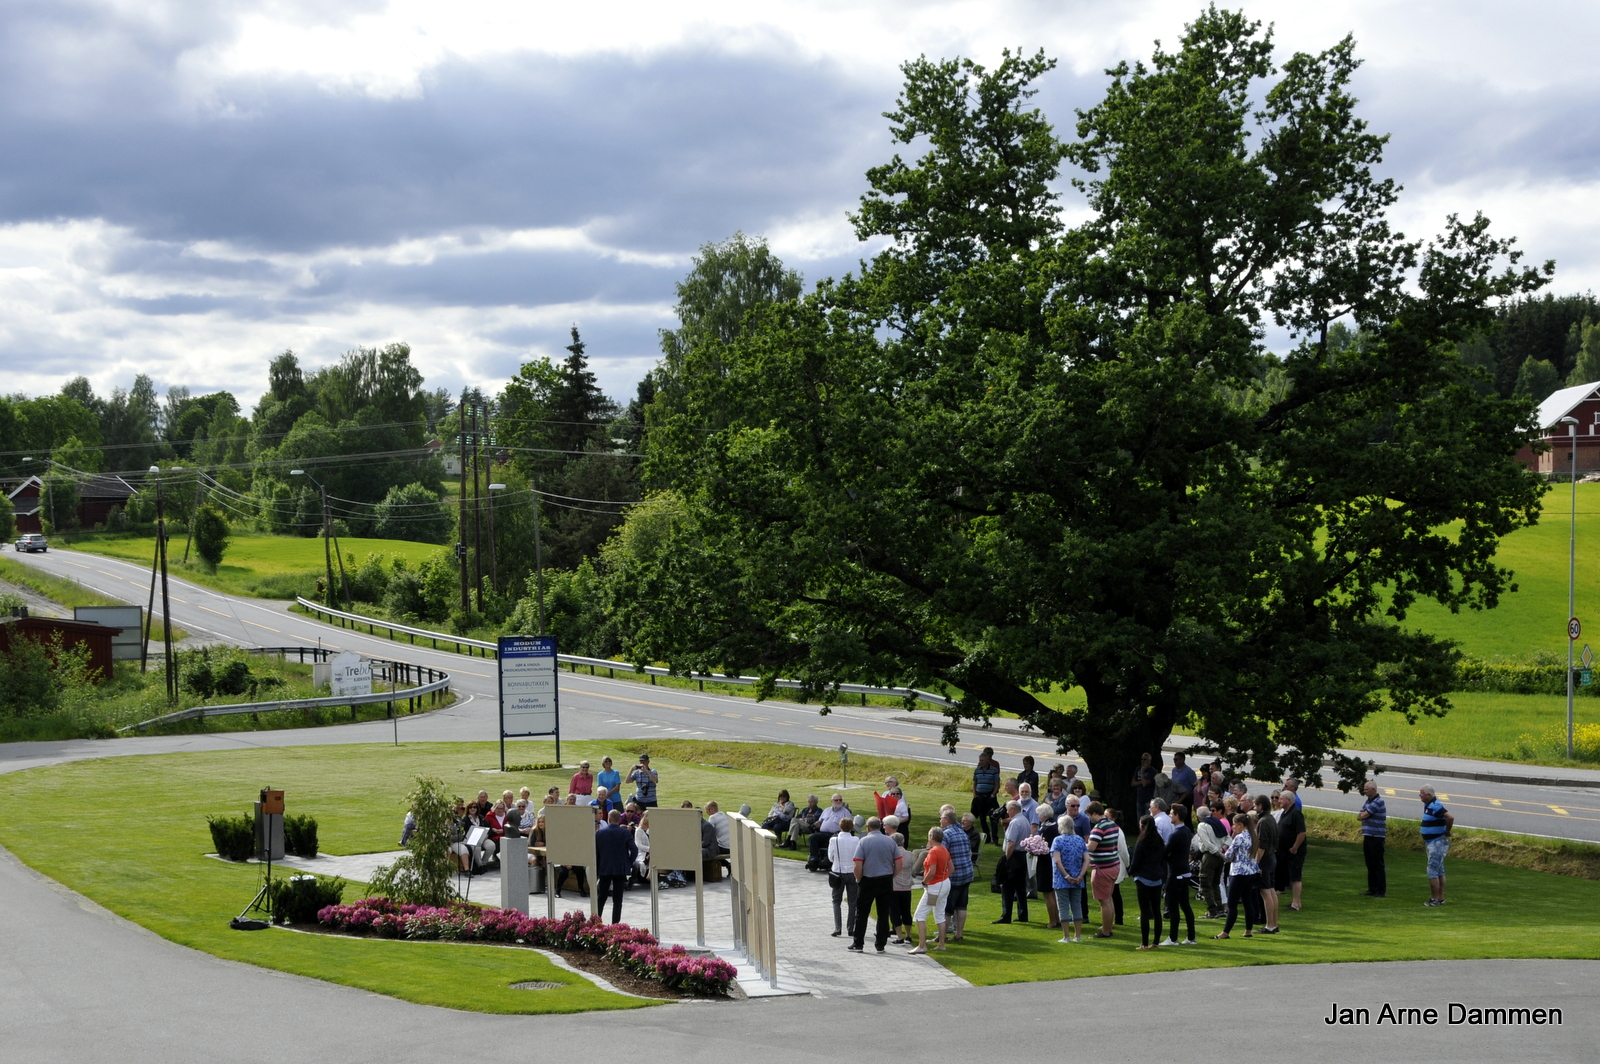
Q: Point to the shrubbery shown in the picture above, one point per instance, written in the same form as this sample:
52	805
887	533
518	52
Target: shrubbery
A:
299	899
234	836
219	671
1543	674
423	875
633	948
300	835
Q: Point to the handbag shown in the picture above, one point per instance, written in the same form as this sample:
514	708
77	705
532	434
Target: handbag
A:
994	881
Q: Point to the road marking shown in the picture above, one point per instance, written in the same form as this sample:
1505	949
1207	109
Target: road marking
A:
1390	791
619	698
268	627
114	576
735	716
1494	801
1555	808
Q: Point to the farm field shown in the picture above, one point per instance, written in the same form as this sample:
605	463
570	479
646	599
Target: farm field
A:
257	564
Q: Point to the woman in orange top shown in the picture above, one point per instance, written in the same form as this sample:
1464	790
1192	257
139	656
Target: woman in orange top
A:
935	889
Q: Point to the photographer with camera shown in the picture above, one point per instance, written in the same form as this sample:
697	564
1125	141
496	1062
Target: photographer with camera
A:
644	780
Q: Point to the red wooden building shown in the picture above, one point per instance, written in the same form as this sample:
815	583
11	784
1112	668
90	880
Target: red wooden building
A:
97	497
44	630
1583	403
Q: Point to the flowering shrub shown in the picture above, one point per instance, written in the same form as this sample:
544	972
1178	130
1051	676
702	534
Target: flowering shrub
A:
634	948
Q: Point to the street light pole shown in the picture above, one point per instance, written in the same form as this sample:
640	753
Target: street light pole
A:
538	560
1572	570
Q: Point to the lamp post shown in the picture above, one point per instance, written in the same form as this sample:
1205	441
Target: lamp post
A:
494	568
538	560
1572	570
327	597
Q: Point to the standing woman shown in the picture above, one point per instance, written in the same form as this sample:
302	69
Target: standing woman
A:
1149	871
1267	859
842	873
1180	876
1244	881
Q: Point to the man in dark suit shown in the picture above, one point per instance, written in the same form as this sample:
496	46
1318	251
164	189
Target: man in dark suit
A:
614	854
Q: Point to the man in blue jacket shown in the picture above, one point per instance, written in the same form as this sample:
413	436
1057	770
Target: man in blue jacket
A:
614	854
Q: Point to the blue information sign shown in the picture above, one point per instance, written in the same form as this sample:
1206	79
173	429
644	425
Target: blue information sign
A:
529	700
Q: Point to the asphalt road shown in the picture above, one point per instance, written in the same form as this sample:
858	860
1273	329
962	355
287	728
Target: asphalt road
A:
80	986
597	707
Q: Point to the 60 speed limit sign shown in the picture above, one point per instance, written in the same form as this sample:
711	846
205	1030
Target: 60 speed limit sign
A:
1574	628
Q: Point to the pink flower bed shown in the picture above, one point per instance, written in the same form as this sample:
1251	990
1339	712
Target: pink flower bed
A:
631	947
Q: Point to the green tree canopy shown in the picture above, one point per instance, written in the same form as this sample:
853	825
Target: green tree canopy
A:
1010	455
1536	379
211	532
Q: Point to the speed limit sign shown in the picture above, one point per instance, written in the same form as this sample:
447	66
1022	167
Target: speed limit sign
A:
1574	628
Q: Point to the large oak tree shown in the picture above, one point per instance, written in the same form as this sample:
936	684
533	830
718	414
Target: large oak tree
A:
1015	454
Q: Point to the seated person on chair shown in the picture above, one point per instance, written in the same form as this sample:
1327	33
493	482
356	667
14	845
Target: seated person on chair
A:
805	822
780	816
827	828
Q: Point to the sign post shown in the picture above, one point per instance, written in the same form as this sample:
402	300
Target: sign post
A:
529	699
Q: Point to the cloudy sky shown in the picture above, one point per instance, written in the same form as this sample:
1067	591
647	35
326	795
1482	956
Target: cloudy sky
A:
188	187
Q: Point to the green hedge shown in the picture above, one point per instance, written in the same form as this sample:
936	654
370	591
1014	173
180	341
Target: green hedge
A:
234	836
1518	678
300	835
298	899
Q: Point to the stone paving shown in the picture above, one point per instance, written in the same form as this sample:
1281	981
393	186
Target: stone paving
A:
810	960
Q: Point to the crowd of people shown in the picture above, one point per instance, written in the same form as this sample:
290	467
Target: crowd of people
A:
1198	843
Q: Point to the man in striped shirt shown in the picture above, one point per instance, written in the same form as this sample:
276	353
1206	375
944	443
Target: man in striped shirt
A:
1374	835
1105	861
1436	824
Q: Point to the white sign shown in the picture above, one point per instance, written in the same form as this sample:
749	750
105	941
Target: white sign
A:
351	675
528	697
126	645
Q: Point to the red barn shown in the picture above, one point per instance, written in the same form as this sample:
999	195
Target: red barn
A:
44	630
1582	403
98	495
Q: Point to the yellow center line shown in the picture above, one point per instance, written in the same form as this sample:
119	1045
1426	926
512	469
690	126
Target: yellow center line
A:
639	701
208	609
268	627
1558	809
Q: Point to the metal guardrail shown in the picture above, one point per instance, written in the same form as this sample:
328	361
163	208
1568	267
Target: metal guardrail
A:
576	661
434	683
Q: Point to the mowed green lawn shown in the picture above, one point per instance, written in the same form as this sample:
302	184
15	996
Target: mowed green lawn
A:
256	563
1534	618
152	870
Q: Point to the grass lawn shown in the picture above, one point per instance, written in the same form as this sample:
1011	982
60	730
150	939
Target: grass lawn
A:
1535	617
257	564
153	871
1483	724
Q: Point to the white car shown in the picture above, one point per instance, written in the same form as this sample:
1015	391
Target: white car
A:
31	541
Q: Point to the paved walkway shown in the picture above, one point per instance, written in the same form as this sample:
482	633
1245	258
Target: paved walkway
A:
809	959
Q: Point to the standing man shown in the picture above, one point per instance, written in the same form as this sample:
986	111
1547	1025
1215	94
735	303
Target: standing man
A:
1374	836
877	859
962	871
1158	809
1437	821
614	854
1183	778
1014	867
1291	845
985	786
1292	785
1105	862
644	780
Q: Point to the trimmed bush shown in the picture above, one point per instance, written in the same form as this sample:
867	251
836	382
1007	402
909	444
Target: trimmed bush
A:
233	836
300	835
298	899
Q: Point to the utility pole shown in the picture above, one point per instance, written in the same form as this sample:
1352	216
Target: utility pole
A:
193	515
1572	573
538	560
327	529
494	568
477	503
461	498
166	598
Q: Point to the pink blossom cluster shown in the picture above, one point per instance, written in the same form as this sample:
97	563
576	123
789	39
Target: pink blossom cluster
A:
632	947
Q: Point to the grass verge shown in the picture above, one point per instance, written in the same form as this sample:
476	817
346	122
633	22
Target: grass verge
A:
70	593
